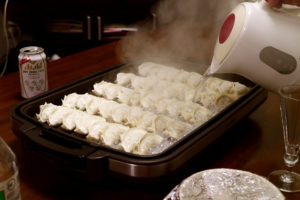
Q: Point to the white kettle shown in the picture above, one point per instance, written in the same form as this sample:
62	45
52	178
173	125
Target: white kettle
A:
261	44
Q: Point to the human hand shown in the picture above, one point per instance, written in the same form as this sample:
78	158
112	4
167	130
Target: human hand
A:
278	3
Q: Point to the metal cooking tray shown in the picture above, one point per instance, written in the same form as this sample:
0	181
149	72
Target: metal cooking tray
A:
93	160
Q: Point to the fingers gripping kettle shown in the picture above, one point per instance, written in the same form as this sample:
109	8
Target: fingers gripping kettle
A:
261	44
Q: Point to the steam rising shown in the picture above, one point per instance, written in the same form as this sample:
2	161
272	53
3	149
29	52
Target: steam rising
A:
187	31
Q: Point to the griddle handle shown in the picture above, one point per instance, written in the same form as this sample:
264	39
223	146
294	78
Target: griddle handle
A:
90	162
57	147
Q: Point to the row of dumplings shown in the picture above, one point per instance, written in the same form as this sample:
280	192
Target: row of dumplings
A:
211	92
131	116
163	72
190	112
95	128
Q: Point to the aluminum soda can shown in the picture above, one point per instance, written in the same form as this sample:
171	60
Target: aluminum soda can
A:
33	71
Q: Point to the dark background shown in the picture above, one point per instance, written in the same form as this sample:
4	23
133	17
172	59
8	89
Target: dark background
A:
60	26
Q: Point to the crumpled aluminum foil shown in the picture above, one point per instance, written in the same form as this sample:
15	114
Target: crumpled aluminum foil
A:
225	184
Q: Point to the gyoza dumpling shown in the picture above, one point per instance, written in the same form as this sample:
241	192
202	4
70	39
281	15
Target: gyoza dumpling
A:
45	111
120	113
70	100
83	123
158	70
194	79
124	78
169	73
161	123
206	98
232	89
213	100
69	120
183	76
56	118
111	135
222	101
83	101
99	88
126	95
150	99
134	116
212	84
132	138
93	106
182	92
171	92
106	89
240	89
195	113
147	122
147	68
134	99
106	108
162	106
142	83
176	128
96	130
111	93
189	94
133	81
173	107
148	142
179	91
116	92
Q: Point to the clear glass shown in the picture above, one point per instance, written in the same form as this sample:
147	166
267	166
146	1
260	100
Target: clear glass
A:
287	180
9	182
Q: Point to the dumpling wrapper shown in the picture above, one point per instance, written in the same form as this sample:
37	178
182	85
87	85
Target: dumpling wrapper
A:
83	101
161	106
56	118
106	89
149	101
194	113
111	135
99	88
69	121
45	111
134	116
194	79
148	142
83	122
170	73
106	108
125	95
93	107
183	76
70	100
120	113
132	138
116	92
147	122
173	107
124	78
96	130
176	129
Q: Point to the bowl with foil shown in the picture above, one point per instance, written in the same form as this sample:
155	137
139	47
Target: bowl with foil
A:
225	184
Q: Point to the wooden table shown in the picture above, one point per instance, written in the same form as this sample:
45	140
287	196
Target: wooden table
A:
255	144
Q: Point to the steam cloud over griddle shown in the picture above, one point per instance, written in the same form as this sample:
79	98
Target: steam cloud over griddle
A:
186	31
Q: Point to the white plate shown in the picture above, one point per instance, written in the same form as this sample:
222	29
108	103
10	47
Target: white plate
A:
225	184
